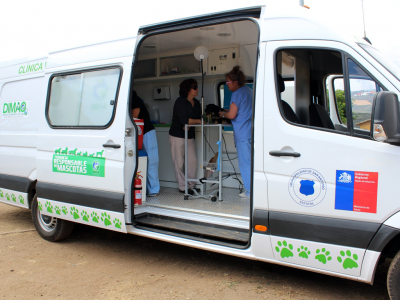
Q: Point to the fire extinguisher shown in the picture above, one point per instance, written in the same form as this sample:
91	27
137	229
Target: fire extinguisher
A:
137	196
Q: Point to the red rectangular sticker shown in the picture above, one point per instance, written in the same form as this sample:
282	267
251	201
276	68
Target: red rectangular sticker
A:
365	191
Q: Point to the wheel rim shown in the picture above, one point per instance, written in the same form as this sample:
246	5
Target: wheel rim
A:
46	222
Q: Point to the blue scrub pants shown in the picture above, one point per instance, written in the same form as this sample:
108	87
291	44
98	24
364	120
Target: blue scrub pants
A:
151	147
244	156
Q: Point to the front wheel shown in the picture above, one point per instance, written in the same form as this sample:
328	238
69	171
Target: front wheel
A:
50	228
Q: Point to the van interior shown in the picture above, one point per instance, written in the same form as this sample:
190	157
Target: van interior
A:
312	91
163	62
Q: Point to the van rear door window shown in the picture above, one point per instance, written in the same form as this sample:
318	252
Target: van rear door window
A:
85	99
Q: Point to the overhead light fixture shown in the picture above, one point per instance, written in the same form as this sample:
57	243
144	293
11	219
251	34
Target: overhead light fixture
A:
224	34
207	28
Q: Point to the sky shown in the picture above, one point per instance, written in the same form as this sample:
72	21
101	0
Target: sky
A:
31	28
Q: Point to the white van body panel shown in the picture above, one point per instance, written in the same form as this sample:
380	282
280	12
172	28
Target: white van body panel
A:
287	136
18	142
96	52
393	221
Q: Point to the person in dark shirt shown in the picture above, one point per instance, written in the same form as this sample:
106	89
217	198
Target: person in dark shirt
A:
139	111
187	110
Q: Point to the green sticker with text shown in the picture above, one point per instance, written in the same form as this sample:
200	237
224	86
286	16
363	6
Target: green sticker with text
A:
80	163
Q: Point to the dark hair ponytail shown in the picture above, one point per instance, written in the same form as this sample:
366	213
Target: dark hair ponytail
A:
236	75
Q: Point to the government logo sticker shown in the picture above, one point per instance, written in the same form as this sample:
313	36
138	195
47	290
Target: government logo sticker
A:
356	191
307	187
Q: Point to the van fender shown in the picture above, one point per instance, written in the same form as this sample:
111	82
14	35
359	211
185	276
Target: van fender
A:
33	175
393	221
386	233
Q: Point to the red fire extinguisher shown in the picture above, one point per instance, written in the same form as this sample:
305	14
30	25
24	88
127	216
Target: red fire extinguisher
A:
137	196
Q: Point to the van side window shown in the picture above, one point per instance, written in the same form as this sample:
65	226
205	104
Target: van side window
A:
362	91
301	87
318	97
85	99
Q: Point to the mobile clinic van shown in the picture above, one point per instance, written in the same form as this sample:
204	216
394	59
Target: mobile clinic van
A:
324	187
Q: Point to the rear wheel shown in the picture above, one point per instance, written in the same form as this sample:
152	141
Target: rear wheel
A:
393	278
50	228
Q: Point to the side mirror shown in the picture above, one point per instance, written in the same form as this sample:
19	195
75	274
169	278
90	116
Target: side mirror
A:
385	125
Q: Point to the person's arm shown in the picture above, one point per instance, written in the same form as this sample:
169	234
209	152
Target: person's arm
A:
231	113
135	112
194	121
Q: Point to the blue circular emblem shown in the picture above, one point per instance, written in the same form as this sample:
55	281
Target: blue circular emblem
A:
307	187
96	165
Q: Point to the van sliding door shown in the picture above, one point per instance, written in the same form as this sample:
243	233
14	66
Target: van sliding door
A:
81	153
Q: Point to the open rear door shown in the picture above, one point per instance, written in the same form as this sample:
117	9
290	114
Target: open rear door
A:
81	150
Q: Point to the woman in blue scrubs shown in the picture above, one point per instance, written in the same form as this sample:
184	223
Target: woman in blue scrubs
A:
240	112
139	111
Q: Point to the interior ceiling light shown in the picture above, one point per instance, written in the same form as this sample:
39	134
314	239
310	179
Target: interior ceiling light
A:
150	46
207	28
224	34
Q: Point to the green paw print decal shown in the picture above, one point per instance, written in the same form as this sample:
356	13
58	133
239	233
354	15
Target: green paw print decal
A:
1	194
117	223
49	207
21	199
323	255
74	212
303	252
57	210
106	219
95	217
40	206
285	252
64	210
85	216
348	263
13	198
8	197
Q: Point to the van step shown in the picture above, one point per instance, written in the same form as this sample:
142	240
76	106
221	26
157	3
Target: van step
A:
206	230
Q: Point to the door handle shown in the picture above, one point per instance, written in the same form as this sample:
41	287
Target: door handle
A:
115	146
282	153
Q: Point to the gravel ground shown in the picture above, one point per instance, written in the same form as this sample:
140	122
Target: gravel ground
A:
99	264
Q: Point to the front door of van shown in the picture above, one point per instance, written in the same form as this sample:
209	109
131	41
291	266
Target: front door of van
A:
81	150
328	189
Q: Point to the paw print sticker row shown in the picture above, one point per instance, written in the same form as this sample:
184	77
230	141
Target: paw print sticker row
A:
84	215
322	255
12	197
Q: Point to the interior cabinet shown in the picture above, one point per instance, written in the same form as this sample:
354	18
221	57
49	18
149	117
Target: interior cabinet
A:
182	64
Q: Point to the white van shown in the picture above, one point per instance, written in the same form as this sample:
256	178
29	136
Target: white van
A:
326	136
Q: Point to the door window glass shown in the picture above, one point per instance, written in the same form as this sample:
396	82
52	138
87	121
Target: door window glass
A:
338	85
362	91
85	99
288	93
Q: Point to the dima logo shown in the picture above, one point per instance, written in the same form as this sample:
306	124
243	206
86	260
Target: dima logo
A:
16	109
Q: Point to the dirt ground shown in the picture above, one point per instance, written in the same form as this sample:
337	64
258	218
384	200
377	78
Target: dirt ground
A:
99	264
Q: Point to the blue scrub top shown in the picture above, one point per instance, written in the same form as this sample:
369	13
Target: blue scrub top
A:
242	97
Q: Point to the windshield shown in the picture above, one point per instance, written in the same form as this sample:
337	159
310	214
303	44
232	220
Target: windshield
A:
388	65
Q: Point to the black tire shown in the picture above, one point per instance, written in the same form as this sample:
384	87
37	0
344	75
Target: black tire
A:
393	278
50	228
213	199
